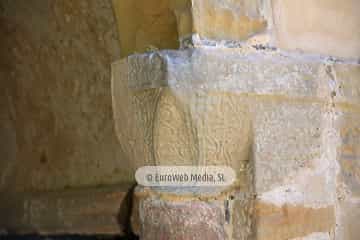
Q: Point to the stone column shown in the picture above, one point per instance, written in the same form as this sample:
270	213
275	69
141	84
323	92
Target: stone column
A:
252	89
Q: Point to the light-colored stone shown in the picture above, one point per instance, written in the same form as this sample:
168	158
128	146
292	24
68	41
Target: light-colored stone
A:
348	173
290	222
348	220
227	107
152	24
272	117
241	18
328	27
348	156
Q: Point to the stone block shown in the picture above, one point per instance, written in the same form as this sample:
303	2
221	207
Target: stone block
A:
227	20
348	157
197	106
274	118
288	143
327	27
345	83
348	220
293	222
153	24
178	217
86	211
145	25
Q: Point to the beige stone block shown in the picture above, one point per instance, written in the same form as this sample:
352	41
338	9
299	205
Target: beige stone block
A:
348	220
288	146
292	222
345	83
227	20
173	214
348	157
275	119
162	24
327	27
243	218
228	107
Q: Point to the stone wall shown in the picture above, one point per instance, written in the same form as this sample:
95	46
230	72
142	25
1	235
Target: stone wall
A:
270	88
327	27
56	125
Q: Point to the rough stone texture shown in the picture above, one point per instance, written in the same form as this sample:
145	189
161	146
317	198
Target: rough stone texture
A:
289	222
205	90
242	217
348	174
56	121
177	217
180	221
348	218
232	215
241	18
164	24
145	24
328	27
77	211
273	117
288	124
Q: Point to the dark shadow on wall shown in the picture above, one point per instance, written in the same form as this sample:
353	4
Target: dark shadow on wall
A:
124	215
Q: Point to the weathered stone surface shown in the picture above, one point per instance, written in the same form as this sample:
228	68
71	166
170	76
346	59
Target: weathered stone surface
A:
328	27
297	128
162	218
145	24
78	211
290	222
242	217
241	18
232	215
272	117
348	173
152	24
206	111
348	156
58	129
239	71
345	83
348	220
